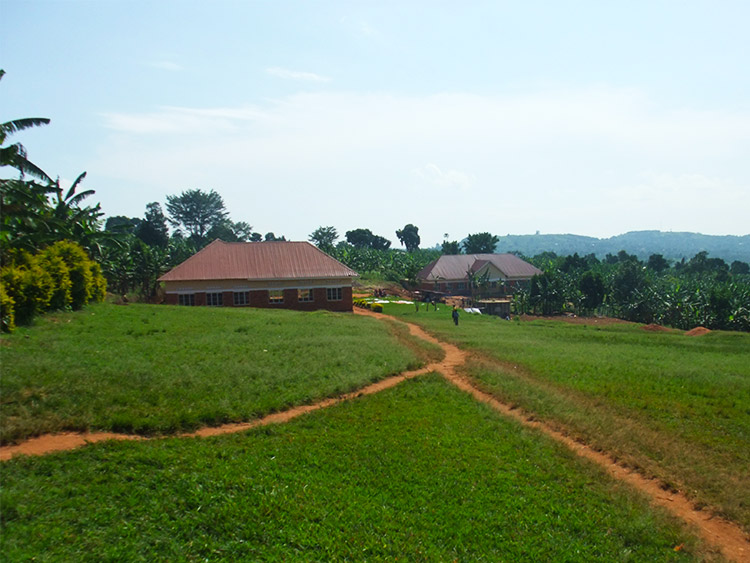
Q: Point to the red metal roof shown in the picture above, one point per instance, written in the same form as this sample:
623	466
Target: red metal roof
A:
258	261
456	266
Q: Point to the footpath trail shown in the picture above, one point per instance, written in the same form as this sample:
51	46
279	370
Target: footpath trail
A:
727	536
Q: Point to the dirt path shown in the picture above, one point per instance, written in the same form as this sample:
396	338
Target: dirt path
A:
725	535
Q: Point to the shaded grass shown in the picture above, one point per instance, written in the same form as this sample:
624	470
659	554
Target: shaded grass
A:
159	369
417	472
676	407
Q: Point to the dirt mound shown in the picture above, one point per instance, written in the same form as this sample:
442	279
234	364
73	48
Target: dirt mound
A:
655	328
697	331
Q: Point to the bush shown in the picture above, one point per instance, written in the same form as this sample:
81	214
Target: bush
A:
30	288
377	307
7	311
59	277
87	281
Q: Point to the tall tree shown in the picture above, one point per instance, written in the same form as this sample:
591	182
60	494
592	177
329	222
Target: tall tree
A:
324	237
364	238
480	243
409	237
450	247
196	210
153	229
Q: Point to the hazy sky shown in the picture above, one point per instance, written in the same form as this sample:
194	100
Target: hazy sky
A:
593	118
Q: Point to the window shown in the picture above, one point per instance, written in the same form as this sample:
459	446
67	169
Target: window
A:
461	286
214	299
304	295
186	299
275	296
333	293
241	298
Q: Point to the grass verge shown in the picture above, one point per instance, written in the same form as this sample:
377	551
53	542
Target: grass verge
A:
674	406
157	369
417	472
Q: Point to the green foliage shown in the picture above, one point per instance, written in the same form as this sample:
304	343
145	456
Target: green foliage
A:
480	243
364	238
409	237
324	238
197	211
450	247
59	277
7	310
393	265
377	308
60	273
153	229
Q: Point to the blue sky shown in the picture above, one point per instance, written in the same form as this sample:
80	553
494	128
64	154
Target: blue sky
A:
593	118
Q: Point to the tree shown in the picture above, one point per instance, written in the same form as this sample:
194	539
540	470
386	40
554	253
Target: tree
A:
592	287
270	237
15	155
739	268
450	247
153	229
197	211
480	243
657	263
228	231
363	238
122	224
409	237
324	237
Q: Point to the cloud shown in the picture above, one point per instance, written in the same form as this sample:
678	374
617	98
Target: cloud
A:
166	65
596	161
172	120
448	180
296	75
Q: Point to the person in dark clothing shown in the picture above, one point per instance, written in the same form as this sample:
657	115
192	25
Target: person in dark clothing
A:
455	315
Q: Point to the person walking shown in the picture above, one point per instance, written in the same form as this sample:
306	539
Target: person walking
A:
455	315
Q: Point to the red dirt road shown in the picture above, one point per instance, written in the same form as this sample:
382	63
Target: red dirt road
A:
727	536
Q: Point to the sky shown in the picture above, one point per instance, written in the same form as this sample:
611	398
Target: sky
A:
584	117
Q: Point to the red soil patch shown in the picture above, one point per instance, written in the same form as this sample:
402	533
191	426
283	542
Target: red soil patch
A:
697	331
572	319
655	328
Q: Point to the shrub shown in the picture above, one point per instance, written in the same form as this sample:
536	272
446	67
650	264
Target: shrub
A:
377	307
58	270
7	312
30	288
87	281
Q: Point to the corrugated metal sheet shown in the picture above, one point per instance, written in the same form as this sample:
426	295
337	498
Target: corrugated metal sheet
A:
258	261
454	267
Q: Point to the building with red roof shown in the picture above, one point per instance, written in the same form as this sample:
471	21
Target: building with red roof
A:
467	274
286	275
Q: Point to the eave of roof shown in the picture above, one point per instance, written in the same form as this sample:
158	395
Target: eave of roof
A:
260	261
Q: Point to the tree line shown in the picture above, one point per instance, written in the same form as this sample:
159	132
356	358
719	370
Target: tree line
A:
57	252
702	291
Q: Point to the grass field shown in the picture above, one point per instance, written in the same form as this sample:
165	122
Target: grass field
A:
675	406
419	472
149	369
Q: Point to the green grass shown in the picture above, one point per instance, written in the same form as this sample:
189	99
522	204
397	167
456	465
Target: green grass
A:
677	407
158	369
419	472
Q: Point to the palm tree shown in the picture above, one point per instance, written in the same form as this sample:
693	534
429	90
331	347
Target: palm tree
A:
15	155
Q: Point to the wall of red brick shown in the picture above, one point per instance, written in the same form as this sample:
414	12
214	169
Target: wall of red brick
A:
259	299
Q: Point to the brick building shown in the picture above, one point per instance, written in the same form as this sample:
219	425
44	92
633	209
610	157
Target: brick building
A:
284	275
486	275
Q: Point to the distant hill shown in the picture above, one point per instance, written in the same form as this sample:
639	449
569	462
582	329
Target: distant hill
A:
673	246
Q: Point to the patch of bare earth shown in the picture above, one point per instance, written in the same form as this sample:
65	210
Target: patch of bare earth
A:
727	536
573	319
697	331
